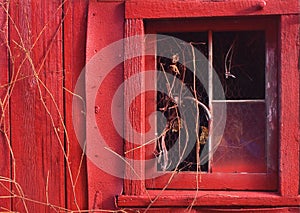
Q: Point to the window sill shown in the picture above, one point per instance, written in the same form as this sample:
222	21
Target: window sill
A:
181	198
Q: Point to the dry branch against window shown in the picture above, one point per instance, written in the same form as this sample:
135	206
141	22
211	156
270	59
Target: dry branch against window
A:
239	62
176	128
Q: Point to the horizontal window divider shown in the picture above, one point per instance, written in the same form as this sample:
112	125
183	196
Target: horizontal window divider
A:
240	101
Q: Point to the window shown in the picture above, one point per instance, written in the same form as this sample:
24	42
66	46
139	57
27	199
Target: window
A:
271	181
237	151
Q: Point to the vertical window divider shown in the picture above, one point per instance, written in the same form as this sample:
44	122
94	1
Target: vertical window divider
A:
210	97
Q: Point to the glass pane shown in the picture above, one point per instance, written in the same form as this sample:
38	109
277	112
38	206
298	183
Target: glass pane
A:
182	79
242	146
239	61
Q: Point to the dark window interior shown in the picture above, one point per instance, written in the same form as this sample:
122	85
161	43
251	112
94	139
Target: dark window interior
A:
242	56
239	63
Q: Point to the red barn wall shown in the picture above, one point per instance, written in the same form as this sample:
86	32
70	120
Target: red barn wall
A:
43	51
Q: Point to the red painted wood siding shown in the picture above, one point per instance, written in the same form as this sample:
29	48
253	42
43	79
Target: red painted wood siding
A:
4	114
43	62
47	53
289	105
37	104
74	60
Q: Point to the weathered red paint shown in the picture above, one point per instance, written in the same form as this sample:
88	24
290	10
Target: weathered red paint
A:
214	210
289	106
180	198
74	60
37	139
190	9
105	25
289	122
134	27
4	113
35	144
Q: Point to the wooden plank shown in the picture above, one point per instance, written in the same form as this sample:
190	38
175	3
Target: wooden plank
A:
272	96
231	199
184	9
134	65
289	105
220	209
75	26
105	26
5	165
37	105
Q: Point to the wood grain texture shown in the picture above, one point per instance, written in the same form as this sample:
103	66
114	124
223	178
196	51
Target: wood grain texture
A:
5	162
43	56
289	105
185	8
75	26
37	104
136	108
272	97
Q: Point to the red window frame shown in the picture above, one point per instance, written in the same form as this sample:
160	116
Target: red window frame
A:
287	193
220	180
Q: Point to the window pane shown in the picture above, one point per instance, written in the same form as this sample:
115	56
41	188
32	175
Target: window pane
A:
242	147
239	60
180	59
